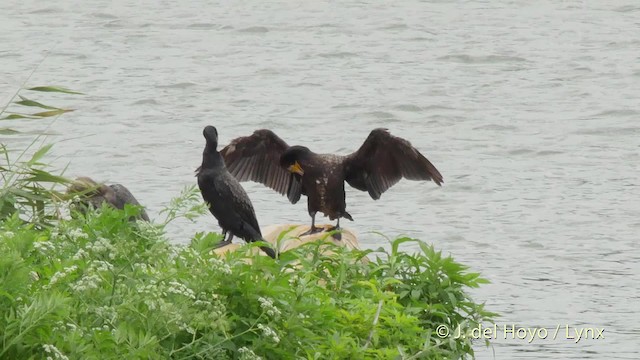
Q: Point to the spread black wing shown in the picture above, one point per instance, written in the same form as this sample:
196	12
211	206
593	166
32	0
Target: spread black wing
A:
384	159
257	158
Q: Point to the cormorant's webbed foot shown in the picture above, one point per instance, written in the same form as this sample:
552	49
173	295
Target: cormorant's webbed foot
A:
223	243
338	232
312	230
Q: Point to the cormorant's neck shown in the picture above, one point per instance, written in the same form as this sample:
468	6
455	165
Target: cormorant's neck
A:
211	159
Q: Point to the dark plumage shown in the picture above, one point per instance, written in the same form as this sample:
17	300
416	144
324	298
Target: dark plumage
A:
381	161
93	194
227	200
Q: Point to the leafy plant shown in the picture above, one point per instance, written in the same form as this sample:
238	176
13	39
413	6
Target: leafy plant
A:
23	188
99	284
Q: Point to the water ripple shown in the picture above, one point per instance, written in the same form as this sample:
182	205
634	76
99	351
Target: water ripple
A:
489	59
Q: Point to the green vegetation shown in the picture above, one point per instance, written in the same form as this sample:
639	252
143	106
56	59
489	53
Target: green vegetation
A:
98	286
26	185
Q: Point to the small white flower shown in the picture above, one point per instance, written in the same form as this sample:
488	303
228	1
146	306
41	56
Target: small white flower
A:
34	276
202	302
247	354
44	247
220	265
100	246
54	234
61	274
108	313
268	307
268	332
53	350
187	328
76	234
151	304
87	282
100	265
180	289
80	254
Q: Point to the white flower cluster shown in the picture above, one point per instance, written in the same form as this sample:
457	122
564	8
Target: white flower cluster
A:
295	280
203	300
268	307
102	246
87	282
54	234
153	289
101	265
44	247
268	332
215	308
155	292
55	353
150	230
107	312
187	328
186	254
145	269
76	234
8	234
219	265
101	328
63	208
91	279
248	354
180	289
61	274
80	254
156	304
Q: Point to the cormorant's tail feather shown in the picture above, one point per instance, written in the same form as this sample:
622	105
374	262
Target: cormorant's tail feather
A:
253	235
269	251
346	215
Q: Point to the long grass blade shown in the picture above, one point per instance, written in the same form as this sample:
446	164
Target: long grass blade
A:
54	89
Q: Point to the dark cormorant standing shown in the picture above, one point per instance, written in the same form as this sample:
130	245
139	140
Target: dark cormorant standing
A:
94	195
381	161
227	200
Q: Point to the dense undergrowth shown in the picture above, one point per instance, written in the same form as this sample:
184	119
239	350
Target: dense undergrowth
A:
98	286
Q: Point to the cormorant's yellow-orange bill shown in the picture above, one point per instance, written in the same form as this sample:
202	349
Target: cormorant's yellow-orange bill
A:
296	168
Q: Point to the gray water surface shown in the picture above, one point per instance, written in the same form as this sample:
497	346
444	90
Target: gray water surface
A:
529	109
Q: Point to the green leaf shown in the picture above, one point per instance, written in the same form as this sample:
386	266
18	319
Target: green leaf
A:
26	194
27	102
43	176
396	243
52	112
18	116
54	89
40	153
7	131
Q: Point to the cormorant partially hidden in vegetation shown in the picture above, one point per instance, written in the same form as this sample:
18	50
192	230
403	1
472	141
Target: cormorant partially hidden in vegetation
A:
381	161
93	194
227	200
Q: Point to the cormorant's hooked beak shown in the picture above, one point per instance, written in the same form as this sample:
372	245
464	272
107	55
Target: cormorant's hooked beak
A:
296	169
